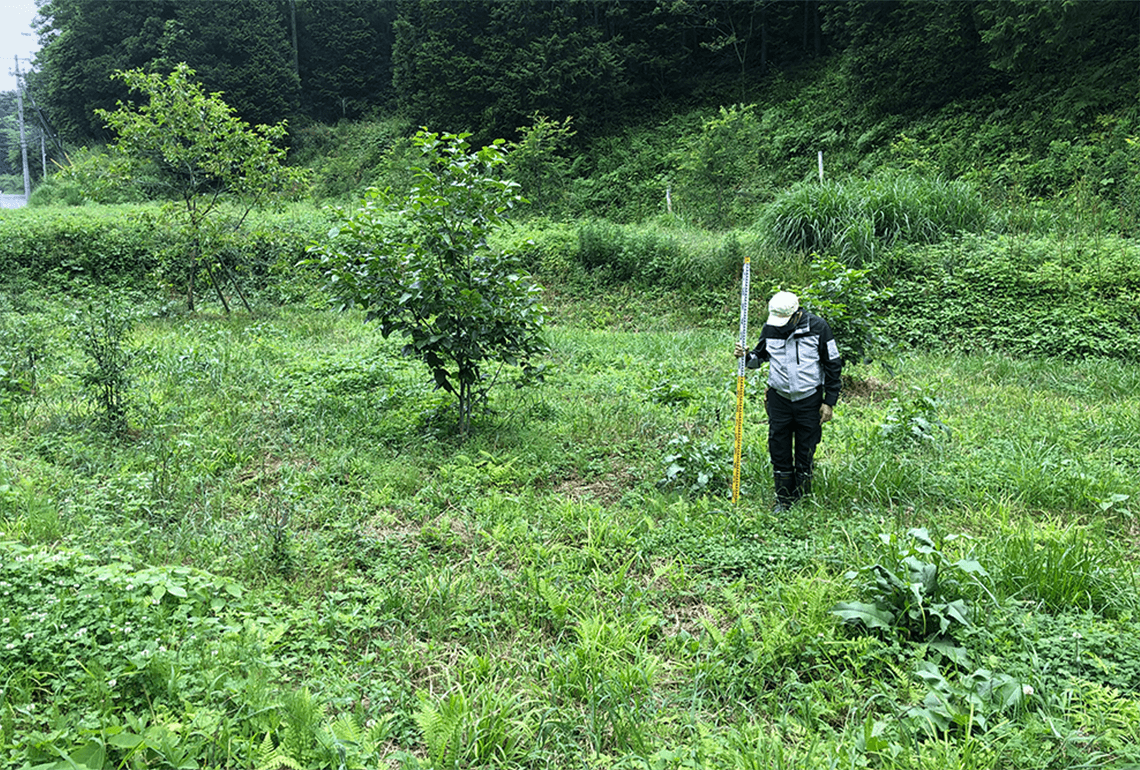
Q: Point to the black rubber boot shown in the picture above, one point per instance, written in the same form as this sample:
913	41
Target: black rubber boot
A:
803	485
785	490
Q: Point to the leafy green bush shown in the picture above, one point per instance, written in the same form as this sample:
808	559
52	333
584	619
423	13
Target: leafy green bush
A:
113	245
86	176
718	177
1035	296
423	267
58	192
540	163
546	248
852	306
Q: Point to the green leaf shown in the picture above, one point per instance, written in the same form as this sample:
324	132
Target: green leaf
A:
92	756
972	566
959	611
867	614
959	656
126	740
922	536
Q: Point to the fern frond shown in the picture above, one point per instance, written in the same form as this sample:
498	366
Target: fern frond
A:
266	750
381	730
347	730
271	757
441	725
280	761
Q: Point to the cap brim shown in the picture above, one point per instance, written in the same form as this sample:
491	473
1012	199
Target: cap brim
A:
778	320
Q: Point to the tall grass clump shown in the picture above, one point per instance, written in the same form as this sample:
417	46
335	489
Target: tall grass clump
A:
1073	569
663	254
858	219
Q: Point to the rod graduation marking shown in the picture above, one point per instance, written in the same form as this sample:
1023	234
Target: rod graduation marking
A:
740	368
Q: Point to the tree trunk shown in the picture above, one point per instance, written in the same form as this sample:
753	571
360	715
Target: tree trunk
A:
217	288
190	286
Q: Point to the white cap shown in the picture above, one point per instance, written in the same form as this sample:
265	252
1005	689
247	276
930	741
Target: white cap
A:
781	307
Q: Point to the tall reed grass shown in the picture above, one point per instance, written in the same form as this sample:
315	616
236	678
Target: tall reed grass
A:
857	220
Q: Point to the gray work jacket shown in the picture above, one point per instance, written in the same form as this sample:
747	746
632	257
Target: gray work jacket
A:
802	359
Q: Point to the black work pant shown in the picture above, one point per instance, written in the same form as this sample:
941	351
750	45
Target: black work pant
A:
794	432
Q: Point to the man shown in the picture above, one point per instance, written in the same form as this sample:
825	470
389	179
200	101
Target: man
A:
804	380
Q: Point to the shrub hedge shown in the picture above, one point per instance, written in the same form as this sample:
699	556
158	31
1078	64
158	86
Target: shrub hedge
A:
1029	295
1033	294
125	244
63	244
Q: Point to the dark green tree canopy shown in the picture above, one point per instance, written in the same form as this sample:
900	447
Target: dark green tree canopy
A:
83	43
240	48
486	66
345	54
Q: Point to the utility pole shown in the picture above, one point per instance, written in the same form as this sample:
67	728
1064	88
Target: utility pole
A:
296	53
23	138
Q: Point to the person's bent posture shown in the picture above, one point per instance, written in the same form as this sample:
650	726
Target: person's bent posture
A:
804	380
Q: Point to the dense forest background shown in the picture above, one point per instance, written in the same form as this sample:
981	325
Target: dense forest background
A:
1010	79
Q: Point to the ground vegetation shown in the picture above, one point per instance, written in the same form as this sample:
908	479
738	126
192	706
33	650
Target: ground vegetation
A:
249	539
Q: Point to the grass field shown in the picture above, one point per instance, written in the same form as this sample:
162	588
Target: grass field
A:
287	560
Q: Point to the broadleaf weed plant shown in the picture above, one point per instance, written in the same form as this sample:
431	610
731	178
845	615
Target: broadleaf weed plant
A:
913	418
915	589
693	467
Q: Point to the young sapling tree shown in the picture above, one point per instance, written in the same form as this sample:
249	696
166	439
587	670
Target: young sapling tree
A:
423	267
212	167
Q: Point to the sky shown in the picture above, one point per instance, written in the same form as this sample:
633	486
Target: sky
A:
16	18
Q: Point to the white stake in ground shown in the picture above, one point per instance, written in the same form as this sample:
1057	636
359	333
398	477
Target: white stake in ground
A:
744	287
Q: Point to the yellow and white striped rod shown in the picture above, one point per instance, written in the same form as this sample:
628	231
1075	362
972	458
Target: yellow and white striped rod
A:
736	453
